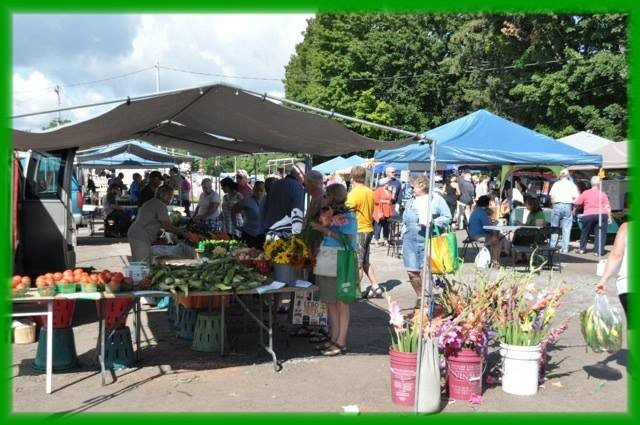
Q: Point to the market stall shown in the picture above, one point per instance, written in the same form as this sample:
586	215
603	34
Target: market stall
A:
207	121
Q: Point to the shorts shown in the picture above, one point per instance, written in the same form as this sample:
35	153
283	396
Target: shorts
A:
327	288
413	249
364	248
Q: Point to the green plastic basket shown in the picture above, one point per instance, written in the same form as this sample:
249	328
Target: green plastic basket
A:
47	291
89	287
66	288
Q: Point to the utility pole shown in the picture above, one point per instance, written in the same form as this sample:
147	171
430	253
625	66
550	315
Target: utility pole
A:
157	67
57	89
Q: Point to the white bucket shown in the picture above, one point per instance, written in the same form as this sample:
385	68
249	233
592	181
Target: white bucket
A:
520	369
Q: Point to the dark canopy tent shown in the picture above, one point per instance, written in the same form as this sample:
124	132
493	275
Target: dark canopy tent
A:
206	121
485	138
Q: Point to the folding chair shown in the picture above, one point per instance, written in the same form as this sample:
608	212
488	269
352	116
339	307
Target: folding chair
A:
546	249
468	241
394	246
525	241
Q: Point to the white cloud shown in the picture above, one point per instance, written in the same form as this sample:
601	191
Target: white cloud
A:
235	45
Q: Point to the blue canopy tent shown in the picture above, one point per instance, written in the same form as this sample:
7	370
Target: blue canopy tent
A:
339	164
331	165
138	149
485	138
124	160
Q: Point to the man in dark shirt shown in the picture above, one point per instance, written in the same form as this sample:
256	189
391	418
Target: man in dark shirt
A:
284	206
149	191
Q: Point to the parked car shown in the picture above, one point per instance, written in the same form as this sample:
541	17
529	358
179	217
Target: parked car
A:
44	236
77	200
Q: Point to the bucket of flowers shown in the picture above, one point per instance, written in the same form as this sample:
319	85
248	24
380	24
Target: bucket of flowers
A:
289	257
464	334
522	320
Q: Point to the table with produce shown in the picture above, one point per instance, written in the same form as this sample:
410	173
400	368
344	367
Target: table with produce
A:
224	268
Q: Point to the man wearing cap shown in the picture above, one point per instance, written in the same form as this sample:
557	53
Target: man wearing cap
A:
284	206
244	186
563	195
149	191
395	187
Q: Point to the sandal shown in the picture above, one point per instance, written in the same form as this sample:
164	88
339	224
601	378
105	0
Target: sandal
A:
318	338
367	292
377	293
301	332
324	346
334	350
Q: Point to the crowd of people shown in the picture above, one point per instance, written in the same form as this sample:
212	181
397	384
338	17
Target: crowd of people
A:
277	207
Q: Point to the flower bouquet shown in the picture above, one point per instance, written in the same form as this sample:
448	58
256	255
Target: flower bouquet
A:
463	334
292	251
522	320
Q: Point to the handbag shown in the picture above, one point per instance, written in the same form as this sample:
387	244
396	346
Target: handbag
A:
326	261
444	252
347	282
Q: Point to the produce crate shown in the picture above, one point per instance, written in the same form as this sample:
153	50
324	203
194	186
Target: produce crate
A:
47	291
202	301
66	288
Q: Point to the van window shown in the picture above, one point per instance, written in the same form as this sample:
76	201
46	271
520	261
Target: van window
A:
45	176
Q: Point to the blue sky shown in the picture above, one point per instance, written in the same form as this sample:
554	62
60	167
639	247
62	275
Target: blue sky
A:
65	50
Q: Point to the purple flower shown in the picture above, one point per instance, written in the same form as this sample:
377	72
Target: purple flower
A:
440	283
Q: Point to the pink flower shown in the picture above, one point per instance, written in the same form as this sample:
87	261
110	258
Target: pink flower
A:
395	316
339	220
475	399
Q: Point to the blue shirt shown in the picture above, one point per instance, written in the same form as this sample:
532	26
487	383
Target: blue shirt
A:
350	229
252	217
134	191
479	218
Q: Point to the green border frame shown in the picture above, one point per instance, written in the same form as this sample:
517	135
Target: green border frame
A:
300	6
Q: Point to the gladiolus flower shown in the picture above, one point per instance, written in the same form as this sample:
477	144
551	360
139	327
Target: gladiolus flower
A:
395	317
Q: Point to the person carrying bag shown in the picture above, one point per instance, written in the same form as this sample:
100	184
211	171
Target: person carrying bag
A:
336	267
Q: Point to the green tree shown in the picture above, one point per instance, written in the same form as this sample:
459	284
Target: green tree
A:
555	73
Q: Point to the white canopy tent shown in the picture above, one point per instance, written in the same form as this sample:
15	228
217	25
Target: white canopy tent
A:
586	141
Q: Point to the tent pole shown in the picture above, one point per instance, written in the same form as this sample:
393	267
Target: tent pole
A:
255	167
426	273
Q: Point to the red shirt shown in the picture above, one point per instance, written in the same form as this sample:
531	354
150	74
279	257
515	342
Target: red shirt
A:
594	201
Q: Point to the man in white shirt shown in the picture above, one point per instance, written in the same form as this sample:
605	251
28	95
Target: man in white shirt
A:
563	194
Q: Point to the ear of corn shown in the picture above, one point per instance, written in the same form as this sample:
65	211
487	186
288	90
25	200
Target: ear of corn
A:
600	334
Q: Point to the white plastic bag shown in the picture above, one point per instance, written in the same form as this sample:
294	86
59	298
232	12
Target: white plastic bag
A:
483	259
429	378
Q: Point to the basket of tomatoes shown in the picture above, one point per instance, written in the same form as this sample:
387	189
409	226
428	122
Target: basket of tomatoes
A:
20	285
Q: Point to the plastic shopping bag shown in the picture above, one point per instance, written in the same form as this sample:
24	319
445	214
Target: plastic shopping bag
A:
601	326
347	275
483	259
444	253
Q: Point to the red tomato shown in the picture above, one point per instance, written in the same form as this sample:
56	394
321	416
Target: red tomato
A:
16	279
57	276
21	286
94	278
78	271
127	281
117	277
26	280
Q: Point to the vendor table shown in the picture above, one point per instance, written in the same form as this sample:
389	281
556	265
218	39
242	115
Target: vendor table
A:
266	330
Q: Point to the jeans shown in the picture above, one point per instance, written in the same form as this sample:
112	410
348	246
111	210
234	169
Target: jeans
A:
383	226
561	216
589	223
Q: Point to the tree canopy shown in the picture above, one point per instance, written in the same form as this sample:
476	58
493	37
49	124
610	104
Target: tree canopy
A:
557	74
